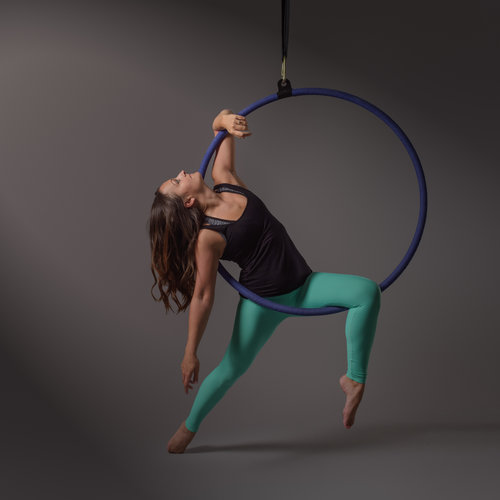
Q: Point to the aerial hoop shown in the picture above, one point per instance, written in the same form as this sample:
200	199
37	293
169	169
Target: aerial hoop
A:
421	184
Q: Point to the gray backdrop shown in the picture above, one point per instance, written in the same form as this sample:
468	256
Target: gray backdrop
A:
101	102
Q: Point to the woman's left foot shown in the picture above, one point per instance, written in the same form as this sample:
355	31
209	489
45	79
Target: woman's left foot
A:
179	441
354	393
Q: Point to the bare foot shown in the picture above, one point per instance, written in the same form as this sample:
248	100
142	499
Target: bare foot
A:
179	441
354	392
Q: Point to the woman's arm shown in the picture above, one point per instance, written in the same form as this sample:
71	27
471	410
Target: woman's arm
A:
223	169
209	249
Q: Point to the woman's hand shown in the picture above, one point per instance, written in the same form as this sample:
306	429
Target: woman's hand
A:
235	124
190	367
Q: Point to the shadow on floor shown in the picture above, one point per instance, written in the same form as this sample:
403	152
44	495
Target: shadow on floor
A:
383	435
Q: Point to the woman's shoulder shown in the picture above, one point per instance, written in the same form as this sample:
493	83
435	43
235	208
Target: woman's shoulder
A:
210	243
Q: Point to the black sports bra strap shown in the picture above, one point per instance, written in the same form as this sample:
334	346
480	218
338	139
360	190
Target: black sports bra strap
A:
232	188
212	221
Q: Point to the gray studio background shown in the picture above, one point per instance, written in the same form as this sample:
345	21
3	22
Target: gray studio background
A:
101	102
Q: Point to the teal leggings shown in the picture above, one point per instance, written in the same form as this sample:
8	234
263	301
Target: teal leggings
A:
254	325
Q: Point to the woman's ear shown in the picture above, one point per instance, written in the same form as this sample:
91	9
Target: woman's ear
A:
189	202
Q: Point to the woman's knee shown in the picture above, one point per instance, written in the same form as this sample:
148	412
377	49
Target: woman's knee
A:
371	292
377	293
231	370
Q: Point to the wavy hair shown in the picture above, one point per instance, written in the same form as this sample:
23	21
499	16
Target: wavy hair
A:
173	232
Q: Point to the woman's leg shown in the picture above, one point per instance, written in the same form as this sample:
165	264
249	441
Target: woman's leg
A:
362	296
253	326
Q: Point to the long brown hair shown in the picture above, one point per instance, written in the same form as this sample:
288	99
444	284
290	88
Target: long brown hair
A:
173	232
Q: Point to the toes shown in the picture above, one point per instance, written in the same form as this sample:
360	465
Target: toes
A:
175	449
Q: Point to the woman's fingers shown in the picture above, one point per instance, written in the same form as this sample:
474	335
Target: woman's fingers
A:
241	131
186	377
237	125
189	367
240	122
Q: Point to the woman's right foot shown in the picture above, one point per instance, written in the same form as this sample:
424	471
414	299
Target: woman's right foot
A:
354	392
179	441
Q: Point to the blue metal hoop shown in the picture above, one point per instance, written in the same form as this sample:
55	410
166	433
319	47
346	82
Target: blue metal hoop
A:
421	184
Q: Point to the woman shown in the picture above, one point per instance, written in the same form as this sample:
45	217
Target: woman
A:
192	227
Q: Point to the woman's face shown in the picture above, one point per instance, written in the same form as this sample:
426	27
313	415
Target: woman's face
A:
182	185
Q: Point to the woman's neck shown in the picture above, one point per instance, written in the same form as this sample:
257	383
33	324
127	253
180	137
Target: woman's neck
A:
209	200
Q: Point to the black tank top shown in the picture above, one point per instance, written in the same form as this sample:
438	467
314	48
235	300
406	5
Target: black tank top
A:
270	263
